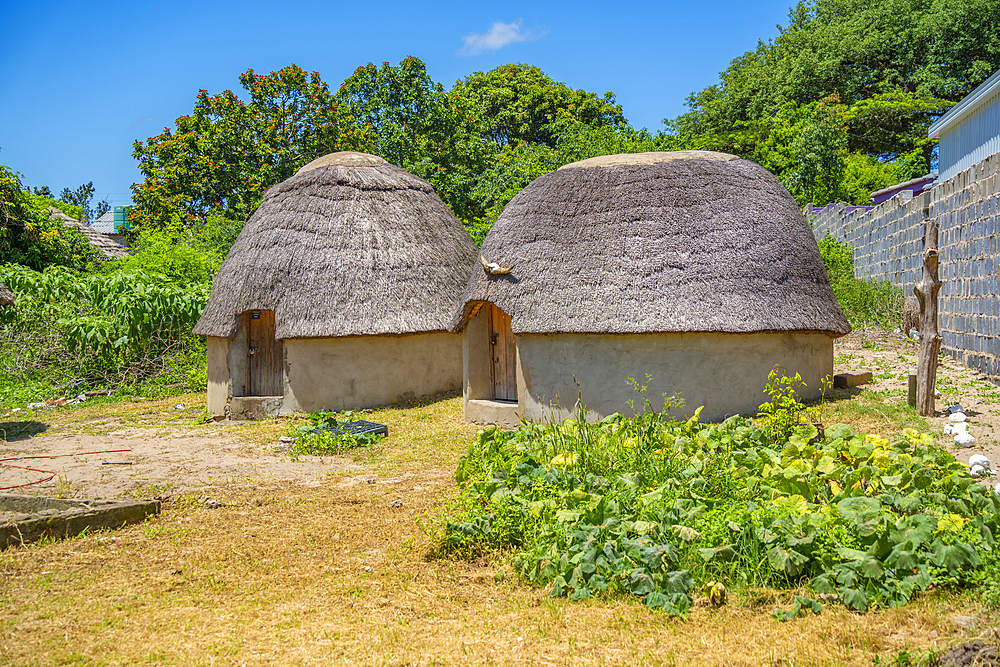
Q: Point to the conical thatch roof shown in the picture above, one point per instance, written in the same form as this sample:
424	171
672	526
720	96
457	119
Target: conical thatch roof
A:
350	245
6	296
685	241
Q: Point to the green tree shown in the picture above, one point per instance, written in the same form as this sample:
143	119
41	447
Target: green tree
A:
30	236
224	155
82	197
519	102
515	123
895	66
399	109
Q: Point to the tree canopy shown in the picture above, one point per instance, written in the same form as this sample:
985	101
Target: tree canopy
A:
837	106
224	155
846	81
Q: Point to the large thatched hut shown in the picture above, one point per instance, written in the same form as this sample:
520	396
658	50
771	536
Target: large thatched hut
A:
338	294
692	273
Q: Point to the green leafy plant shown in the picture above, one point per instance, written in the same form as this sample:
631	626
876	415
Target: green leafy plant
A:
783	411
648	506
72	331
320	436
803	605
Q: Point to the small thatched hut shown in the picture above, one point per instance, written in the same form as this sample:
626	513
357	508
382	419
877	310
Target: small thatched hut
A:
338	294
690	272
6	296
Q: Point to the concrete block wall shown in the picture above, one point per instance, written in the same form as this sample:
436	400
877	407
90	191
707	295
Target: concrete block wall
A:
966	210
887	239
888	243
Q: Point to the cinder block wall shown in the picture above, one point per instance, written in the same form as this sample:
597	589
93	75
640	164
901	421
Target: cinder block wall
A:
887	240
888	244
966	209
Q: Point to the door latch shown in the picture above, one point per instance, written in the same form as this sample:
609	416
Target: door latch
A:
493	338
252	350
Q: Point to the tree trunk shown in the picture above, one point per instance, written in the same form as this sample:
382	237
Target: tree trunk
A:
930	341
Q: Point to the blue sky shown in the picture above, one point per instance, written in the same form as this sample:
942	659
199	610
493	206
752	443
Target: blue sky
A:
80	81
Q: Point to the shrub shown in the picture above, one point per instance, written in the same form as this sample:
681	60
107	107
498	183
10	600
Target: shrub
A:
29	235
73	331
865	303
649	506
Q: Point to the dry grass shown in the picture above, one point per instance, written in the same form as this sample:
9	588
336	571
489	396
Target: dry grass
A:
284	574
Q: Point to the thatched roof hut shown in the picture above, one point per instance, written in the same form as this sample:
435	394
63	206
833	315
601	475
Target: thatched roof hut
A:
350	246
657	242
108	247
672	243
6	296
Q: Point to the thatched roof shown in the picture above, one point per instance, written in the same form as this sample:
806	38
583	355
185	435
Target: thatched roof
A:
102	242
685	241
6	296
350	245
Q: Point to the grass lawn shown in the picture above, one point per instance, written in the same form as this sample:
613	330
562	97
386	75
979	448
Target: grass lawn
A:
341	572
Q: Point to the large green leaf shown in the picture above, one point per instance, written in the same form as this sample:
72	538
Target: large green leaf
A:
788	561
953	556
854	598
639	582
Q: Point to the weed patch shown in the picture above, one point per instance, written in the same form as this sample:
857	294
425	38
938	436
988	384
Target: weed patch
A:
329	433
649	506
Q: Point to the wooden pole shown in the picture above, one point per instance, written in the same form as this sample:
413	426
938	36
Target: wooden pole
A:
930	341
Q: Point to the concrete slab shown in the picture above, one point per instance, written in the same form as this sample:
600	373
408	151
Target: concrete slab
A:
26	519
484	411
847	380
254	407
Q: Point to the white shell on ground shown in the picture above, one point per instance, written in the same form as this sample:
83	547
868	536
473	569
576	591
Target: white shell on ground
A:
977	471
949	429
964	440
979	460
957	417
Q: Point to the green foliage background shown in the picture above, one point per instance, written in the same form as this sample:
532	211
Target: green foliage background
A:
865	303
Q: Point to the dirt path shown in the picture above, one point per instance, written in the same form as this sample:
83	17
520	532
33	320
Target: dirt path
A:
890	358
154	463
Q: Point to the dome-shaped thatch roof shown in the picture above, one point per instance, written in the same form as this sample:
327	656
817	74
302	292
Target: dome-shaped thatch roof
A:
685	241
6	296
350	245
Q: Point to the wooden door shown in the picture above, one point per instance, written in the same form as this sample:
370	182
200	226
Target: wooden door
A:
504	356
266	356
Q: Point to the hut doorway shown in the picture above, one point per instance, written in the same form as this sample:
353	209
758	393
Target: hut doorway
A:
266	356
504	352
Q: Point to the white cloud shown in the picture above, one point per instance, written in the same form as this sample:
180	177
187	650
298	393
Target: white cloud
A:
136	123
499	35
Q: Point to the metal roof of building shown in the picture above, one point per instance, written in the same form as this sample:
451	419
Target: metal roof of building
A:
969	104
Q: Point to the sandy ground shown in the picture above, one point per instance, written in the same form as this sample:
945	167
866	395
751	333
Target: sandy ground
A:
169	460
155	464
891	357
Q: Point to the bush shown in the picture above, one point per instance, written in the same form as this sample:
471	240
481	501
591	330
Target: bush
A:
649	507
72	331
865	303
29	235
183	255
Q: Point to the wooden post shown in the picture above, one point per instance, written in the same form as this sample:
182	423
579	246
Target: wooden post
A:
930	341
